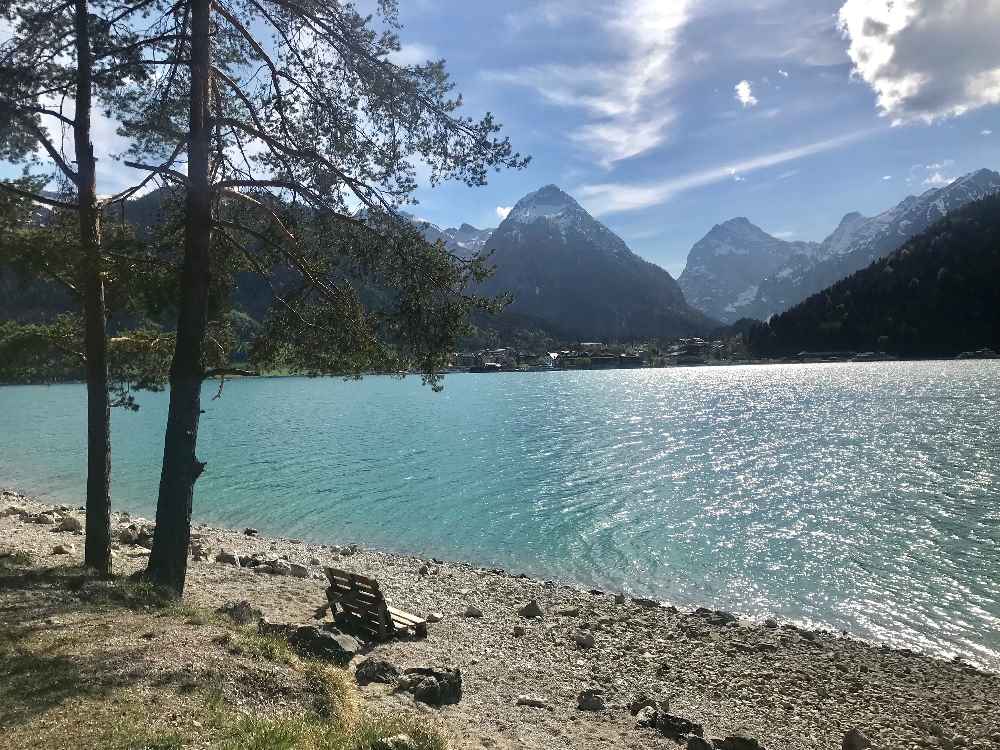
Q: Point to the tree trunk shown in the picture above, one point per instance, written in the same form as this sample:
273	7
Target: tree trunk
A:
181	468
97	546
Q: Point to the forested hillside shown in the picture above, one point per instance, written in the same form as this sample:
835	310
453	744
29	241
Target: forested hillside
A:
938	295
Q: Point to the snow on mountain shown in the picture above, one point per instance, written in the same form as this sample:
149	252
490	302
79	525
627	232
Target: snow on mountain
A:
719	283
724	268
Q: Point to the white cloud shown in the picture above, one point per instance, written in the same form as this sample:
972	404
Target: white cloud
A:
786	234
938	180
887	177
938	165
986	132
744	94
626	97
414	54
502	211
782	73
925	59
737	177
608	198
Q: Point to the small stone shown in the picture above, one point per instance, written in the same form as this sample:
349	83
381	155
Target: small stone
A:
45	518
396	742
531	609
619	599
771	623
374	669
591	699
241	612
279	568
63	549
315	561
226	557
694	742
584	640
428	690
298	571
424	569
677	726
569	612
70	523
519	631
448	683
855	739
250	531
738	742
473	611
646	716
435	617
532	701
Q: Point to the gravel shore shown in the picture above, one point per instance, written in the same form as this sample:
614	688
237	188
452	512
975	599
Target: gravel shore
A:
759	684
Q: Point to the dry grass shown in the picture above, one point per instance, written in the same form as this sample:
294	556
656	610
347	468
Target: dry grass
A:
113	664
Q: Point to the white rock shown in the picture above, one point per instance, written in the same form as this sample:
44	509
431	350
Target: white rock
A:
532	701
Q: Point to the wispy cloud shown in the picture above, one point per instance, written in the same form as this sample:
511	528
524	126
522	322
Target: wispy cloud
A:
414	54
887	177
626	98
744	94
610	197
986	131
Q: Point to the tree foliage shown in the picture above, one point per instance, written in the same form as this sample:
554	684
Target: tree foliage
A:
938	295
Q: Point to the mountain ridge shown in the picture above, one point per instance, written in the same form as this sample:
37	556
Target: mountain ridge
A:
854	243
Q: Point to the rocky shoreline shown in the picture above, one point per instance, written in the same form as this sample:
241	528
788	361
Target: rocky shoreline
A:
550	666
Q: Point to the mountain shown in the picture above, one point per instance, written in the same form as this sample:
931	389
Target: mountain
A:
567	269
725	268
937	295
466	241
855	243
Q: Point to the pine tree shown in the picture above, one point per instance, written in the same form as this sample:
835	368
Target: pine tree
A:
300	137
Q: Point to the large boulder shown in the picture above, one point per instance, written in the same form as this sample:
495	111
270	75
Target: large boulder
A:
332	645
445	689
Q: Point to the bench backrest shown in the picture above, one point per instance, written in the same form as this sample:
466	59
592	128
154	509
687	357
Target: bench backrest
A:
361	601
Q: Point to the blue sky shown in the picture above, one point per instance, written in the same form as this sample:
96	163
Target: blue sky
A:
664	117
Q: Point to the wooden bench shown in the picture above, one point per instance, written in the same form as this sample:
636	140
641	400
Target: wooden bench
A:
357	604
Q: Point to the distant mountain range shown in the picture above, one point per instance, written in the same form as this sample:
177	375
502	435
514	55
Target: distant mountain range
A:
937	295
739	271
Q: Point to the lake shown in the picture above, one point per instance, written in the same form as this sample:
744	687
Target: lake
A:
863	497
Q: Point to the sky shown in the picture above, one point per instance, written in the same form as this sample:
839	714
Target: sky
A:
666	117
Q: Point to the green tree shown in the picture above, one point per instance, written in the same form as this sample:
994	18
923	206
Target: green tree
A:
48	60
300	138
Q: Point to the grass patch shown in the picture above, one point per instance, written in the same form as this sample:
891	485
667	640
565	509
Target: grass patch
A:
246	640
296	733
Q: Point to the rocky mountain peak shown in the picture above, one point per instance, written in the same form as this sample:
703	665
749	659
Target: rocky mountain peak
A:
548	202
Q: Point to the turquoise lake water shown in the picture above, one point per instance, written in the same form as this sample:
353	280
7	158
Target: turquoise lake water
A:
863	497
